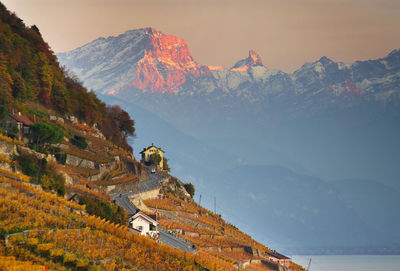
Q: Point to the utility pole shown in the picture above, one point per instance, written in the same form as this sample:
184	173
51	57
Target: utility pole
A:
200	199
309	263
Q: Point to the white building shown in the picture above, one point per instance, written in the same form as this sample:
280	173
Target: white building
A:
146	224
278	258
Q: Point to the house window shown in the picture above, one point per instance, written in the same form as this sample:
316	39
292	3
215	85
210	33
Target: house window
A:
153	227
140	228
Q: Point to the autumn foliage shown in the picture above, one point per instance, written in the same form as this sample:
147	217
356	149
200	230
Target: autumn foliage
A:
29	71
53	232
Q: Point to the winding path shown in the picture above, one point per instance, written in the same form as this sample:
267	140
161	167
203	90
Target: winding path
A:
152	183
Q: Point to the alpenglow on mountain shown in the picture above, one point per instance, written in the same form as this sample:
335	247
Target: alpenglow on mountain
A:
148	61
145	59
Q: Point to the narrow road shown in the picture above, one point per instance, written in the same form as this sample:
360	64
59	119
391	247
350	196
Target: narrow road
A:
152	183
125	203
173	241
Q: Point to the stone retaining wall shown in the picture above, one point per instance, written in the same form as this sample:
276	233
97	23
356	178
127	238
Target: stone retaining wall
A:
79	162
7	149
146	195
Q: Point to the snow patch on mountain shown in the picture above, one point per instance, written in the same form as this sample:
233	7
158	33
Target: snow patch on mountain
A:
319	67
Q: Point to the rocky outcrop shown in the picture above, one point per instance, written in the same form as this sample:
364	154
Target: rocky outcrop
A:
165	64
243	65
6	148
79	162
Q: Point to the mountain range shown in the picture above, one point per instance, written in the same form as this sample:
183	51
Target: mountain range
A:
148	61
303	151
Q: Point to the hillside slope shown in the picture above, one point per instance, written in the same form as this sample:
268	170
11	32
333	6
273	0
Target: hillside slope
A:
30	74
63	152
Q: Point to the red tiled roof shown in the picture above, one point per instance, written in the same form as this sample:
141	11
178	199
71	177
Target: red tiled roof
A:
22	119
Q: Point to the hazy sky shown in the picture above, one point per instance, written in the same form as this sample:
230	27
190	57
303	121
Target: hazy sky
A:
286	33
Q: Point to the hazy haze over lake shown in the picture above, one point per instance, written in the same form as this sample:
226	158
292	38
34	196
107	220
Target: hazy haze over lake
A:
350	262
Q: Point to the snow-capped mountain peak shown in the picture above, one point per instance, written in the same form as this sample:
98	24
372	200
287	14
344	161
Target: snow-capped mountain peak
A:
146	59
252	60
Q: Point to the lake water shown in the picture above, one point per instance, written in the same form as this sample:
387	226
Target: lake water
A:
350	262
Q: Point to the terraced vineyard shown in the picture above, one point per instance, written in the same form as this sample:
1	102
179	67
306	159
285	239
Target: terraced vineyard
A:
44	230
209	232
84	154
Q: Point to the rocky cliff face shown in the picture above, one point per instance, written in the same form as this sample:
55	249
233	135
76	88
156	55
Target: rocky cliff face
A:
145	59
253	60
165	64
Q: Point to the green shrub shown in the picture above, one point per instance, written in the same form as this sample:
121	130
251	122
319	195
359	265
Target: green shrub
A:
51	180
36	112
48	177
38	148
3	112
104	209
79	141
29	164
13	132
61	158
190	189
154	159
43	133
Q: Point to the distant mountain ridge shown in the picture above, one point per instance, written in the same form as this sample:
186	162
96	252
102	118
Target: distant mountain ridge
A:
146	60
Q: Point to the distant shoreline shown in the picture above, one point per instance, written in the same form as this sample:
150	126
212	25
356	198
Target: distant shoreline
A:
349	262
340	252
